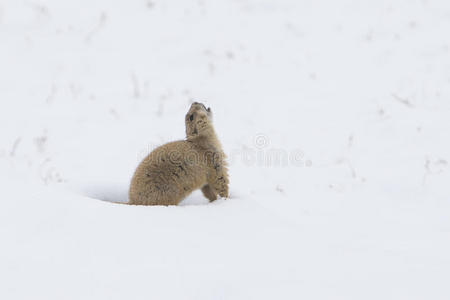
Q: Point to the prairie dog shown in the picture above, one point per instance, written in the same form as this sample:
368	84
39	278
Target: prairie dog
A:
174	170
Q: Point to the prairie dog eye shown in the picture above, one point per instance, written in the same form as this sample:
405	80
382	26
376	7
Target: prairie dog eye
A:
191	117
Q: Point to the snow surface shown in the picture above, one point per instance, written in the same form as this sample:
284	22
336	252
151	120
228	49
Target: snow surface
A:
335	116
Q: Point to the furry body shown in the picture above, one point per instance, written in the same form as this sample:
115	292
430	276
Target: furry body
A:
174	170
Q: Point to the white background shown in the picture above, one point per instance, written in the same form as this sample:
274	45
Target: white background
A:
358	90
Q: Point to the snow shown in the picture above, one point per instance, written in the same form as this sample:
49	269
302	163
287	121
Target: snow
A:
334	115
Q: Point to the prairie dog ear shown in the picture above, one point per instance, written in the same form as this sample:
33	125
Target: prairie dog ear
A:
209	112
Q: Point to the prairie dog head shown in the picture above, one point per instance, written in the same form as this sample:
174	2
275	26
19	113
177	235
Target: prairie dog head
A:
198	120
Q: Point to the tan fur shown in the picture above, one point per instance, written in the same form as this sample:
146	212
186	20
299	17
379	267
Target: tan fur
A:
174	170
